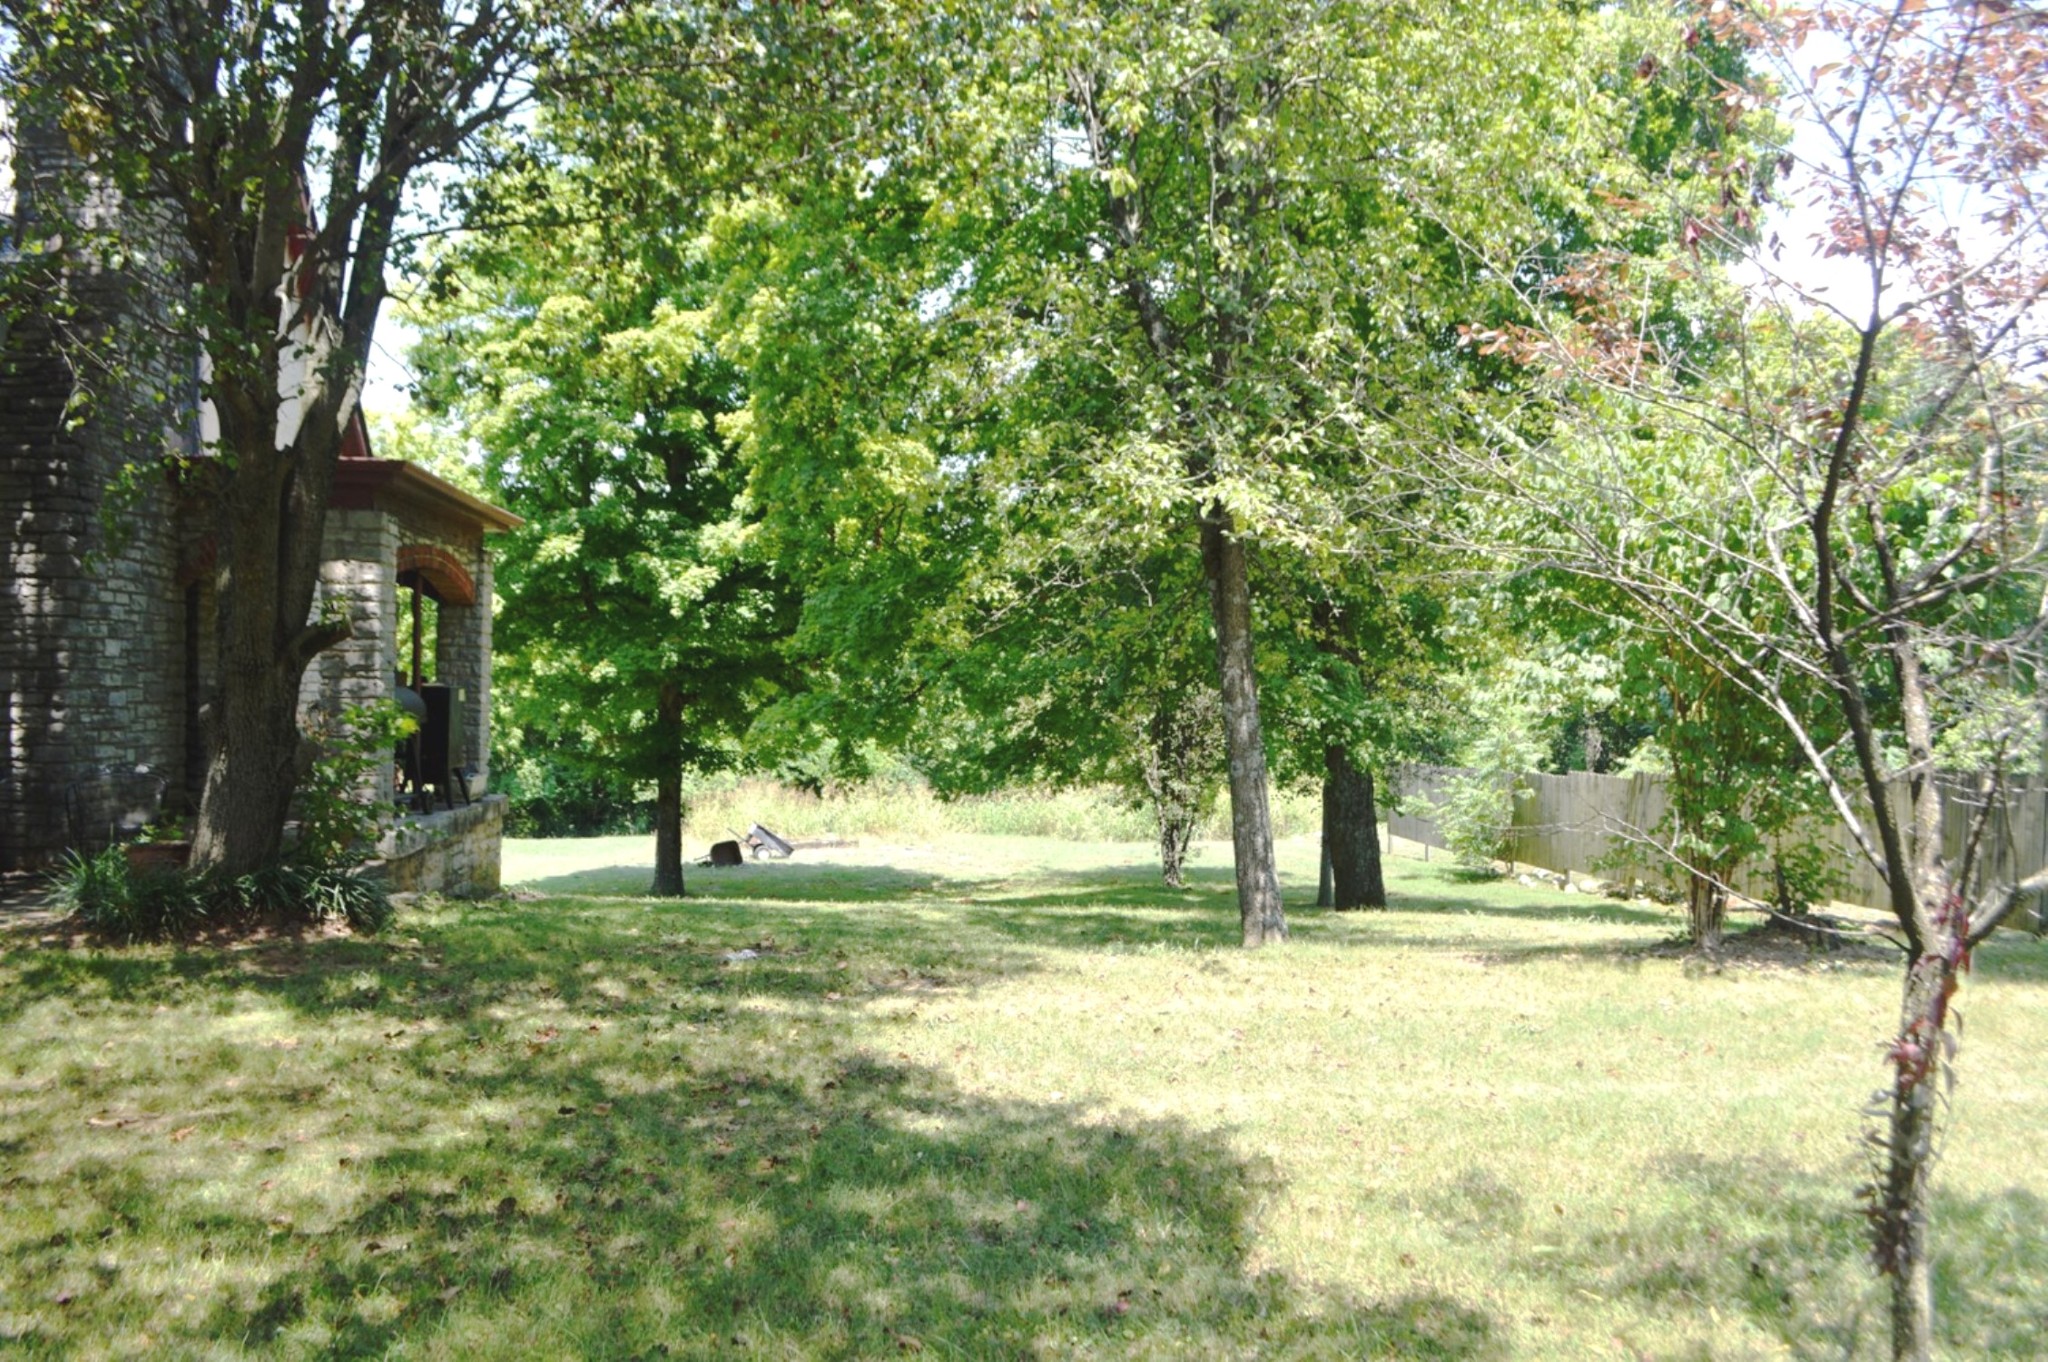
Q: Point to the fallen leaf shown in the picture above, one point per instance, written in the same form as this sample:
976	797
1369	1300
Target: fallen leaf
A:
182	1134
602	1108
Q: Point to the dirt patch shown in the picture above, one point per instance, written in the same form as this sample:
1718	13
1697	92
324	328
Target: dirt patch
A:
1823	943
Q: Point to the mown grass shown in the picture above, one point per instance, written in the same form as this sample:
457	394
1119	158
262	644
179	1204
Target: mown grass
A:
983	1098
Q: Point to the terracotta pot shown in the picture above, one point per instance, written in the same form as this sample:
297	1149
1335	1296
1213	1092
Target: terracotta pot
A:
158	855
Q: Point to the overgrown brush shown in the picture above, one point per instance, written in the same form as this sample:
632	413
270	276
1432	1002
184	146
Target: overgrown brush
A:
910	812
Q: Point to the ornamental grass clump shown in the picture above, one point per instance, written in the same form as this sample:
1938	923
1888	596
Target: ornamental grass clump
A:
110	898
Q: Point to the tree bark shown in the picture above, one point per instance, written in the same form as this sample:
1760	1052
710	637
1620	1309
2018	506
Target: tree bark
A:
1326	886
269	517
1900	1215
1351	833
668	796
1176	829
1182	744
1251	820
1707	911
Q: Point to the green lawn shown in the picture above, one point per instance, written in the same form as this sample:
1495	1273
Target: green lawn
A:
990	1098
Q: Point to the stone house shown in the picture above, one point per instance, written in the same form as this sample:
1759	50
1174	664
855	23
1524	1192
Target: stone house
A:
106	637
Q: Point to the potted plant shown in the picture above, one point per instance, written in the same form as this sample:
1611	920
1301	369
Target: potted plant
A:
163	845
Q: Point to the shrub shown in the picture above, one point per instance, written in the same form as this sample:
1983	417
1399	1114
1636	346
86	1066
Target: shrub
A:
104	895
1477	811
295	892
338	821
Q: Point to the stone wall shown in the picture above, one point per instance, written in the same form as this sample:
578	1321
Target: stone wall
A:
462	658
92	623
360	578
106	638
462	635
454	851
363	549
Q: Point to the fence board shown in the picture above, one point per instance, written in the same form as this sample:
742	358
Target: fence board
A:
1584	823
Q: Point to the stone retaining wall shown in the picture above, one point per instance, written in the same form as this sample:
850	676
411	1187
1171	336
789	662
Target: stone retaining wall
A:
452	851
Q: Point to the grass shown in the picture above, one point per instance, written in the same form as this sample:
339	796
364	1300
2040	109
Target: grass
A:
723	806
983	1098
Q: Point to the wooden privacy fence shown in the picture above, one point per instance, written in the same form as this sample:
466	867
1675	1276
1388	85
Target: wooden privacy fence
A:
1581	822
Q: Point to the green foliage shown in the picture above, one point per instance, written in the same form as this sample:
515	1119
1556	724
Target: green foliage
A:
552	794
1476	812
301	893
907	808
638	622
340	815
1119	272
109	898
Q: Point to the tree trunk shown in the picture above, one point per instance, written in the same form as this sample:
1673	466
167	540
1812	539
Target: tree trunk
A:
1251	822
1176	830
1707	910
252	766
270	511
1182	743
1900	1215
668	796
1351	834
1326	887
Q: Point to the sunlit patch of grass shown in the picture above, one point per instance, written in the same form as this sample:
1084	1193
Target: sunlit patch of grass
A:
983	1097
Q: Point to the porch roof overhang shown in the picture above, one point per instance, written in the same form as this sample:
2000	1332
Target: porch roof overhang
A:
394	484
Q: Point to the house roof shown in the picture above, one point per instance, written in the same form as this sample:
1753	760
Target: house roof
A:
391	484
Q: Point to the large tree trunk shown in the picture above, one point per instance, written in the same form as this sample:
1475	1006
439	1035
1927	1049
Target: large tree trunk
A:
1326	877
1351	833
1251	821
271	508
668	796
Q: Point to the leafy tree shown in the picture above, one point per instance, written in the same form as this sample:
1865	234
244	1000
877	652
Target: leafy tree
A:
638	628
1194	243
1880	444
276	145
1364	688
1071	664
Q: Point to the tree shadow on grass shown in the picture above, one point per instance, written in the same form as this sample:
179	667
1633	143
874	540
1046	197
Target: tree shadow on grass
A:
861	1208
1787	1248
770	881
